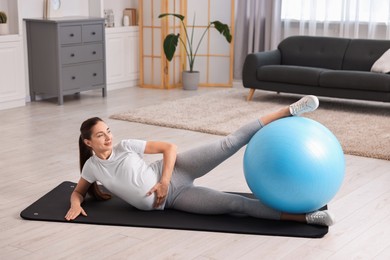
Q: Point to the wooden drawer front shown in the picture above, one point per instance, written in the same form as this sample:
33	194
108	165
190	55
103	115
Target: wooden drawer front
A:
77	54
70	34
82	76
93	33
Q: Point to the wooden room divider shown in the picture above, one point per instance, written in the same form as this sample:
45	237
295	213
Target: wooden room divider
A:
214	59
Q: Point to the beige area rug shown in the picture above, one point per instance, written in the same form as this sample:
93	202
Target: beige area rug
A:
363	128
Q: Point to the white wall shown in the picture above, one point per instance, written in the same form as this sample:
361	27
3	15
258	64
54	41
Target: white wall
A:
34	8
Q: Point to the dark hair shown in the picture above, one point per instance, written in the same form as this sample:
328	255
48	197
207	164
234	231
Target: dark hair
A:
86	152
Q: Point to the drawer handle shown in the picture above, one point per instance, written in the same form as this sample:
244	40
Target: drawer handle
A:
73	77
71	35
93	33
95	74
94	52
72	55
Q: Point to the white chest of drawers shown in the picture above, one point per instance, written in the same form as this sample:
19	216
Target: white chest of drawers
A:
66	56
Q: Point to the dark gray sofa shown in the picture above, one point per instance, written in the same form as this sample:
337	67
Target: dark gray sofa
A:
323	66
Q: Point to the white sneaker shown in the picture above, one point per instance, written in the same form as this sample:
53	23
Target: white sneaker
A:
304	105
323	218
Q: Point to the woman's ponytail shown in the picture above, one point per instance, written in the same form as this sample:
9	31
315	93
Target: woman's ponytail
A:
85	152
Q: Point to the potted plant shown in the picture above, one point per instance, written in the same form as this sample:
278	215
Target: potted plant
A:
3	23
191	77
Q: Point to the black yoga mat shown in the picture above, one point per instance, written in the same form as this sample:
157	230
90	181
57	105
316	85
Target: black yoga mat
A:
54	205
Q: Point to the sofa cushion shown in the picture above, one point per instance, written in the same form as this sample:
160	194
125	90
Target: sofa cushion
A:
382	65
320	52
362	53
289	74
358	80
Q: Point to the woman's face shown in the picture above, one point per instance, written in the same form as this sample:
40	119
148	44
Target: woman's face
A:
101	139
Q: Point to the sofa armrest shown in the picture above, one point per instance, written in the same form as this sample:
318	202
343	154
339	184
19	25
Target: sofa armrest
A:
255	60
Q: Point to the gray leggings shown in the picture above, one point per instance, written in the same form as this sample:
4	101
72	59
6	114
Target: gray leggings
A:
185	196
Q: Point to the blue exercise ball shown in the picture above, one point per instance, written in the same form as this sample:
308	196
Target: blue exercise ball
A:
294	165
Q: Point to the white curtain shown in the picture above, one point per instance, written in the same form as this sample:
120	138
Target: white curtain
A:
257	28
369	19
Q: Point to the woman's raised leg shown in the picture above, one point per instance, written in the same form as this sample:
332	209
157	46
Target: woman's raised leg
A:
199	161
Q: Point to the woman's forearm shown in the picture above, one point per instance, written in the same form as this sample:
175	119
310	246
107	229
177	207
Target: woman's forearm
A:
168	150
76	199
169	159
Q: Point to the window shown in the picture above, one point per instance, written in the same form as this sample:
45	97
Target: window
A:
337	10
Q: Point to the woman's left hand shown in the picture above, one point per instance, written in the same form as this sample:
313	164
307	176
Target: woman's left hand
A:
169	158
161	191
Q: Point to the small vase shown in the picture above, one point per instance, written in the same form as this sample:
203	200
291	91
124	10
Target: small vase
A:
190	80
126	20
4	29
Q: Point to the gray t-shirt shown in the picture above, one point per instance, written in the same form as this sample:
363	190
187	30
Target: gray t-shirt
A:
125	174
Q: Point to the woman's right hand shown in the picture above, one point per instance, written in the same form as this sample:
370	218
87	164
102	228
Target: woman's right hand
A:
76	198
74	212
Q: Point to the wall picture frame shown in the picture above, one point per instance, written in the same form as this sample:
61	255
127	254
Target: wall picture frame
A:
52	9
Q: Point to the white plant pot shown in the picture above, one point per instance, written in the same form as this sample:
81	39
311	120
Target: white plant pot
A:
4	29
190	80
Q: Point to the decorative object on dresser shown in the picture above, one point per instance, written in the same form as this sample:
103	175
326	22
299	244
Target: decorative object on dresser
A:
3	23
66	56
131	13
109	18
51	9
126	20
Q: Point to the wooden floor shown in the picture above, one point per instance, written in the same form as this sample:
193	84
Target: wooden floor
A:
39	151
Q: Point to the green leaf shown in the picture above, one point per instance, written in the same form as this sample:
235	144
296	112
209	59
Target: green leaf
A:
181	17
223	29
170	44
